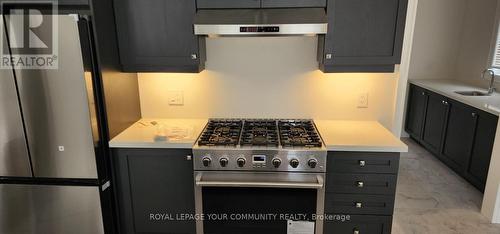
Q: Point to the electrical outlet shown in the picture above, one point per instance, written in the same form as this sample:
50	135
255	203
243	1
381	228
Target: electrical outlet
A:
363	100
175	98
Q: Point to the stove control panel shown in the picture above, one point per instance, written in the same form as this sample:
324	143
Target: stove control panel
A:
254	160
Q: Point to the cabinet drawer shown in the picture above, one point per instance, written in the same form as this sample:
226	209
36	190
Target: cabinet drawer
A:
361	183
363	162
293	3
219	4
360	224
359	204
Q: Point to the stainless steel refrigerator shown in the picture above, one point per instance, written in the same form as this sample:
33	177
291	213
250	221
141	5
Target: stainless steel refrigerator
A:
50	138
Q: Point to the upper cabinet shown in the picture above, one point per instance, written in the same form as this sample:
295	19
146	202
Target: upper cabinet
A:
157	36
363	36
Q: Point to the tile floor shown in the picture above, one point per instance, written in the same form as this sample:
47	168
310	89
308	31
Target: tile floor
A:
431	198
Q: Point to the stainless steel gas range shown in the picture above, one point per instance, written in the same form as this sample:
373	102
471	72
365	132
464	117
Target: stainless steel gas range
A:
254	167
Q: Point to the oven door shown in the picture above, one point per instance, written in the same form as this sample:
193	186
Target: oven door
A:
258	202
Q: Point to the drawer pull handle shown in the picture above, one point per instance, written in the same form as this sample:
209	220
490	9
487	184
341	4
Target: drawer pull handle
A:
360	184
359	205
362	163
189	157
355	231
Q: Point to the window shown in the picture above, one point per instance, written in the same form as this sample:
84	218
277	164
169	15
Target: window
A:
495	44
496	53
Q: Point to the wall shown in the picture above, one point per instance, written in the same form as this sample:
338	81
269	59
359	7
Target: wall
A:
452	39
267	77
477	33
438	28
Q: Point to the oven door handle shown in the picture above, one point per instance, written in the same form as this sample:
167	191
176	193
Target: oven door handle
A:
319	184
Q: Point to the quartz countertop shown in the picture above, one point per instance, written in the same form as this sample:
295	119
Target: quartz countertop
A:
359	136
447	88
182	133
160	133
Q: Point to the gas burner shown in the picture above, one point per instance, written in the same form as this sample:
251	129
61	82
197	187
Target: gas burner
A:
298	133
259	133
221	133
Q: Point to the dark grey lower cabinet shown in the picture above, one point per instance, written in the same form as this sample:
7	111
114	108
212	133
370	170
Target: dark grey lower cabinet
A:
459	135
360	192
435	119
154	188
360	224
479	162
415	113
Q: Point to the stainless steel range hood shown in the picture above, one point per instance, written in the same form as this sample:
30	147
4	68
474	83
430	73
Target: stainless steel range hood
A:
265	22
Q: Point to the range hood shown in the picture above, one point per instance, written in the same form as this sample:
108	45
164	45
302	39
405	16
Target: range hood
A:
265	22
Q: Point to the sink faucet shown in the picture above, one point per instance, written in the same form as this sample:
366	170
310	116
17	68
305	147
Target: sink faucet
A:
491	89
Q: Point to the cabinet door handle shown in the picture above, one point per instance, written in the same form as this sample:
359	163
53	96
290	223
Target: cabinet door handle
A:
362	163
358	204
355	231
423	93
189	157
360	184
329	56
194	56
474	115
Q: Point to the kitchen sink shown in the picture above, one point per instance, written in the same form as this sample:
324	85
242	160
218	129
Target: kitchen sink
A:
472	93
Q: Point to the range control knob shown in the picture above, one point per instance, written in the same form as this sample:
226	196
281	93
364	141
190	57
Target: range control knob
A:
240	162
206	161
276	162
223	162
312	163
294	163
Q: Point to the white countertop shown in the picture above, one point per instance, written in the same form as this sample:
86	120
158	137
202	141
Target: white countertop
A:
447	88
182	133
365	136
178	133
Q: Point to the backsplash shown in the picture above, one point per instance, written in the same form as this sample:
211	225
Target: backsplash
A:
265	78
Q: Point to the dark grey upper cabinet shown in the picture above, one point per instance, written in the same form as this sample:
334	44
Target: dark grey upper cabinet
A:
435	119
363	36
415	115
154	182
293	3
157	35
214	4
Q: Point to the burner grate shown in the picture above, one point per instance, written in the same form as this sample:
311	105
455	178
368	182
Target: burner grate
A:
298	133
221	133
259	133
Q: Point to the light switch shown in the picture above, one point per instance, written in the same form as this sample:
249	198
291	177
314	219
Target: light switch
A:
363	100
176	98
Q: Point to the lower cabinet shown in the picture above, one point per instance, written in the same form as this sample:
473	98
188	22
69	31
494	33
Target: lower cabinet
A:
435	117
459	135
479	162
360	192
358	224
155	190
